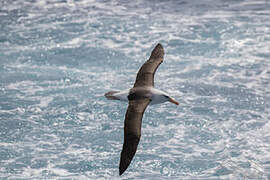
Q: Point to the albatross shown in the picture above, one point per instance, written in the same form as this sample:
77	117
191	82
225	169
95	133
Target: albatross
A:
139	97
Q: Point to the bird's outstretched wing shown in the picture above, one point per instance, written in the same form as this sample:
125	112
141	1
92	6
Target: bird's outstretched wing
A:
132	131
145	76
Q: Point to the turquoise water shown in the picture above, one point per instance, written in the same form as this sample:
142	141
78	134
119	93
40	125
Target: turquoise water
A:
58	58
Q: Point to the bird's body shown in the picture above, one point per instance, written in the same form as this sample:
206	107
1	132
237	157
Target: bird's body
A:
139	97
156	96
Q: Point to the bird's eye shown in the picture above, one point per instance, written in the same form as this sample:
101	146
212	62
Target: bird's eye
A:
166	96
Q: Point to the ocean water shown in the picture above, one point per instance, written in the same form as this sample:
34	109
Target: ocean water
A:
58	58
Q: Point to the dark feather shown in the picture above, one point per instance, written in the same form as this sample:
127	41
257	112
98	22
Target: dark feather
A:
145	76
132	131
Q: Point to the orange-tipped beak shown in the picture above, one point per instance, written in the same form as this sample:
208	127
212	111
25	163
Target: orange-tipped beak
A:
173	101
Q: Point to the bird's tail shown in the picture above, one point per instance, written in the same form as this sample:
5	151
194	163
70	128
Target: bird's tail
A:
110	95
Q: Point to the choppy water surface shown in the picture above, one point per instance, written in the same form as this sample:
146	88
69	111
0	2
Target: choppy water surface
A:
58	58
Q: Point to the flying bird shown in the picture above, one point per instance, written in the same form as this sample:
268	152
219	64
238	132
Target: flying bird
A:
139	97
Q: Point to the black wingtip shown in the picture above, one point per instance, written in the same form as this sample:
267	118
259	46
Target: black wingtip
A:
159	45
129	149
124	163
158	51
123	166
121	171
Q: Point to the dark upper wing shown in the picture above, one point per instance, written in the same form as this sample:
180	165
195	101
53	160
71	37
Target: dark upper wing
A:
145	76
132	131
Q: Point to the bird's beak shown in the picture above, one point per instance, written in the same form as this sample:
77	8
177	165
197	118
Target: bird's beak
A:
173	101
